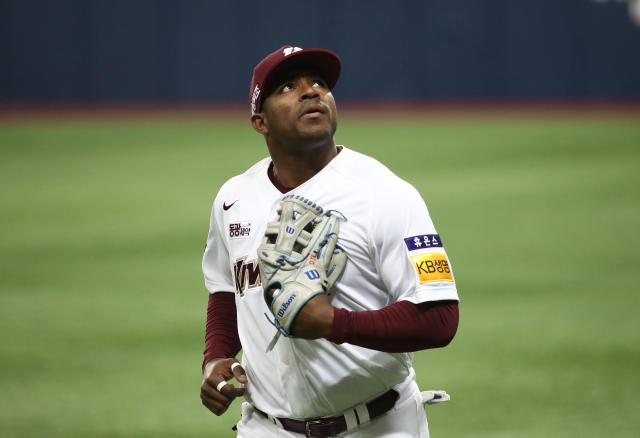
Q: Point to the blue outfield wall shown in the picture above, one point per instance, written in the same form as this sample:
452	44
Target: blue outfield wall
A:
203	51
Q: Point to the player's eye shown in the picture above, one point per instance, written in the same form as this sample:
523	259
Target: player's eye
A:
286	87
319	83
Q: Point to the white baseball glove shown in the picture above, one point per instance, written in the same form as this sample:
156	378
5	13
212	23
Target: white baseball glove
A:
299	258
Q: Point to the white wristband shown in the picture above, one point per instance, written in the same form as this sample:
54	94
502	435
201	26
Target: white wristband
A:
235	364
221	385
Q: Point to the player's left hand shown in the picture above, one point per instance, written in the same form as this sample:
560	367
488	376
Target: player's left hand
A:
216	394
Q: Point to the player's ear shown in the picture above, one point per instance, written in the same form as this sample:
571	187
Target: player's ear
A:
258	123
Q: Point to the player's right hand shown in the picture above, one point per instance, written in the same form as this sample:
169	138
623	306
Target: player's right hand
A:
215	372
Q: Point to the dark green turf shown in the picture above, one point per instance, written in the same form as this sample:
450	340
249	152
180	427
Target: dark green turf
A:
102	305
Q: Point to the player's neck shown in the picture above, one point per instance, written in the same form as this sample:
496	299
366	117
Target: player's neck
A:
293	167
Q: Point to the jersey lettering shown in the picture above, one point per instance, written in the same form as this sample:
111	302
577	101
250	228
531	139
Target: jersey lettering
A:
247	275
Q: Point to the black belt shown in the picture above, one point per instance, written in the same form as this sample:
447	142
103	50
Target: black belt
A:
331	426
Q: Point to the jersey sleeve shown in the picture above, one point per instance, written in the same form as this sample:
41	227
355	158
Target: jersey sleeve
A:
407	250
218	276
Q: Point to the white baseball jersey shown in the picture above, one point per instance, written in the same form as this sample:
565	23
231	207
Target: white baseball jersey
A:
394	253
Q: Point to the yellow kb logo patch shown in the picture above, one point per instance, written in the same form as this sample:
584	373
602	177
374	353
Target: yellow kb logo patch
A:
432	266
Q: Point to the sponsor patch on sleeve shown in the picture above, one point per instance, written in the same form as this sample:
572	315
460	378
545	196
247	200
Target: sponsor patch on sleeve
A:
423	241
432	266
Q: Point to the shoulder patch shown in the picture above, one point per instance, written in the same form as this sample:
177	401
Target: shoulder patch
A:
423	241
432	266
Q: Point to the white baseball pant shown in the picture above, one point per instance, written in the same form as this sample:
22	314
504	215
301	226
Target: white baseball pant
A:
407	419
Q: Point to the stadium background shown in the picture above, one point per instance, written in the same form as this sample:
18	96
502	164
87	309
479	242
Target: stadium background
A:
517	121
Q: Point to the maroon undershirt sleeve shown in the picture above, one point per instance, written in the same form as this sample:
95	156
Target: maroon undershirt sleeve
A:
398	328
221	339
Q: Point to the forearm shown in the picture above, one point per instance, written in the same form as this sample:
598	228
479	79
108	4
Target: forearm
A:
221	339
400	327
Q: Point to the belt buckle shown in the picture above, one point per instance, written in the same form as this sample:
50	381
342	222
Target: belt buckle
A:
309	423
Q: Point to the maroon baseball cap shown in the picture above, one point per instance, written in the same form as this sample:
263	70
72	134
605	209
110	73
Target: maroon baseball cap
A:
325	61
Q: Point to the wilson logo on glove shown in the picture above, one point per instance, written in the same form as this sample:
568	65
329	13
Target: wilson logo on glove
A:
312	274
286	305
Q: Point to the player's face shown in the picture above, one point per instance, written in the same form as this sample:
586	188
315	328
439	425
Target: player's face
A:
300	109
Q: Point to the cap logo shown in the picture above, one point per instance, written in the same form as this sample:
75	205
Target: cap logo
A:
289	50
254	98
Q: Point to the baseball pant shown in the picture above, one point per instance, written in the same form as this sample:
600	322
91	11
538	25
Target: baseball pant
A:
407	419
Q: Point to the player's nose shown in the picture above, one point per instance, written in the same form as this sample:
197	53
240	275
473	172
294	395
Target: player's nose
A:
308	91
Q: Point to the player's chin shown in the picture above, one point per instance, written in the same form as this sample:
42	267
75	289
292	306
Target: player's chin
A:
317	129
317	136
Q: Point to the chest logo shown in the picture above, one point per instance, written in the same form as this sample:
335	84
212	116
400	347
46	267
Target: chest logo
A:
226	207
239	230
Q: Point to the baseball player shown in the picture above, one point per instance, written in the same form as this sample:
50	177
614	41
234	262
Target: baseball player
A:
339	363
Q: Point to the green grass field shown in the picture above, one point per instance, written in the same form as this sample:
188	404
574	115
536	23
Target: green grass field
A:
102	303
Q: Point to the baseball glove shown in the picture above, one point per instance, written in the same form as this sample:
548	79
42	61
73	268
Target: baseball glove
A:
299	258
